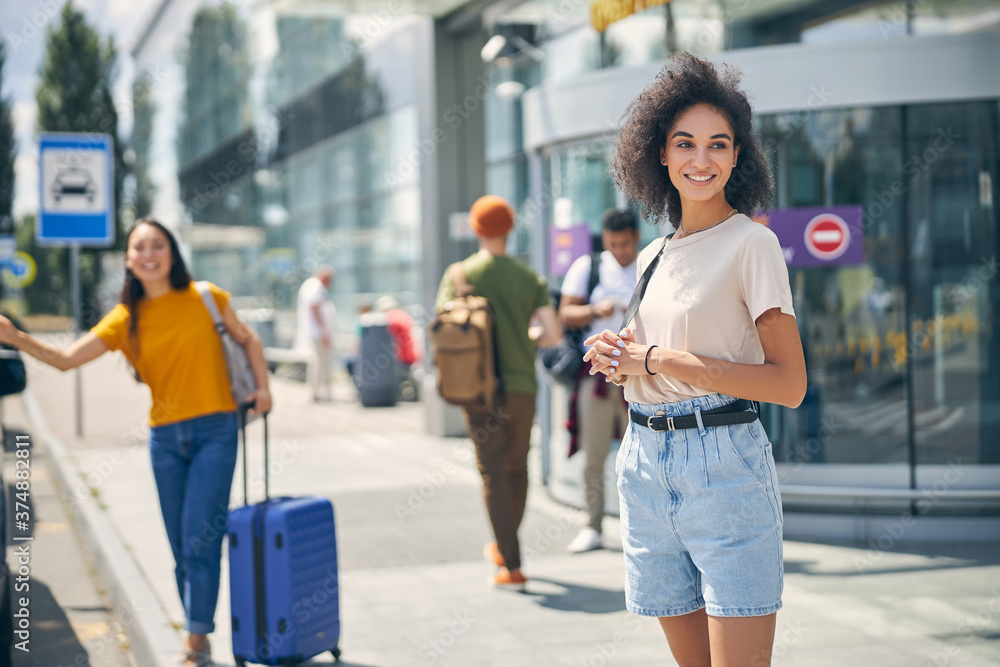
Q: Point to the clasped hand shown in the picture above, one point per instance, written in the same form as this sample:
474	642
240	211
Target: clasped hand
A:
615	355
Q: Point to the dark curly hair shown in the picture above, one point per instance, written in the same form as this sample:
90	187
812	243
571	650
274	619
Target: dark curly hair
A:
646	121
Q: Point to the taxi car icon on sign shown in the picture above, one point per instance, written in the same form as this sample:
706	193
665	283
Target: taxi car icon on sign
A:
74	182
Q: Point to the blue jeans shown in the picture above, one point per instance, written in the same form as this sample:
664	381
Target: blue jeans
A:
193	463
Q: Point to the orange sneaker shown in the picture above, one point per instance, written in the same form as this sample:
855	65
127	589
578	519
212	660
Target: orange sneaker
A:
492	553
509	579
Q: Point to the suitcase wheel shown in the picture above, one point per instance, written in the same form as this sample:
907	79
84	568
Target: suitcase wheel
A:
335	651
240	662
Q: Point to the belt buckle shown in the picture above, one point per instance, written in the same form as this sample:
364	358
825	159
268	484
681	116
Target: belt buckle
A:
660	413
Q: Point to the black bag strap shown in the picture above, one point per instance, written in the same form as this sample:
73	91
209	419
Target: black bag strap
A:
213	309
595	274
242	412
640	288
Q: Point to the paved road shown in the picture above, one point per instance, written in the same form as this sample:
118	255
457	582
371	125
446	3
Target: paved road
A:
411	529
72	624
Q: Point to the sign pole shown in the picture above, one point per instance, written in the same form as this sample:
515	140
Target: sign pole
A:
74	272
76	207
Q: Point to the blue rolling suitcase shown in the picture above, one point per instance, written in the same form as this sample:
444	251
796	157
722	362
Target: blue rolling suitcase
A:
283	582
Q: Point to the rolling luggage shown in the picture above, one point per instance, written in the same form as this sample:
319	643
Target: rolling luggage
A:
283	581
376	372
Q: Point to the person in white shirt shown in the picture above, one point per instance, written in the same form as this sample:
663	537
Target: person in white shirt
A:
315	321
701	514
600	406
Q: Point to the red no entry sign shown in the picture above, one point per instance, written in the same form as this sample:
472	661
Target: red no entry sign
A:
820	235
827	236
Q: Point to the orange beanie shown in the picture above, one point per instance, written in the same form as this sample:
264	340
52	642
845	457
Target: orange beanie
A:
491	216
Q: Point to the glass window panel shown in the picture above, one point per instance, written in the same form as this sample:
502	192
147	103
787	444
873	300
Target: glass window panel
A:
953	17
582	188
584	184
636	40
346	202
306	184
217	70
509	179
952	158
888	20
698	26
403	151
310	49
572	54
882	21
502	109
850	318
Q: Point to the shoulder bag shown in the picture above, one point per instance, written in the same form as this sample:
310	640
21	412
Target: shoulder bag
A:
564	360
241	378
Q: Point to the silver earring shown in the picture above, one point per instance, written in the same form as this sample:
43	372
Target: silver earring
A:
663	163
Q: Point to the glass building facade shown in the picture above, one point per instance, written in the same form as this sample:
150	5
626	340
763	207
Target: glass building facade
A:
903	375
276	141
898	349
280	136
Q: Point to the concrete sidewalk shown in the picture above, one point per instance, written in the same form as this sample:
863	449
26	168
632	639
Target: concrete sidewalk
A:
411	527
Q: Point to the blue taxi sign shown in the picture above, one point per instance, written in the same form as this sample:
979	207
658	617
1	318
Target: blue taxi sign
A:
76	199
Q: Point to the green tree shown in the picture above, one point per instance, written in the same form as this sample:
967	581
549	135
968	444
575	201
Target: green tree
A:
74	95
7	155
143	111
49	292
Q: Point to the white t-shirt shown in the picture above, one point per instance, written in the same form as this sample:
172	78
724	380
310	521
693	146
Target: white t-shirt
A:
704	297
313	292
615	283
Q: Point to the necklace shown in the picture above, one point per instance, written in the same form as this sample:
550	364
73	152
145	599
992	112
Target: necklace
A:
687	233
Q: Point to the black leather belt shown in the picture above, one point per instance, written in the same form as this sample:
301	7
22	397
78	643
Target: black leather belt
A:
740	412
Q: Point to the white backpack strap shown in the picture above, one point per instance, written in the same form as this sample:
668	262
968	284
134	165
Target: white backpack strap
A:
209	301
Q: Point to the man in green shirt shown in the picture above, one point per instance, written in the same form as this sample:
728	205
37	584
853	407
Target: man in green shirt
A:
502	434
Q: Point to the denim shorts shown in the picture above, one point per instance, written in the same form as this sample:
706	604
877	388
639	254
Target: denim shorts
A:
700	516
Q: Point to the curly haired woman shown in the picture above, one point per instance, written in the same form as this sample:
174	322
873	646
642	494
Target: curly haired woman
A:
701	514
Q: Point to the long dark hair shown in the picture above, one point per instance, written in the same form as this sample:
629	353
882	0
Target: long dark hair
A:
678	87
132	290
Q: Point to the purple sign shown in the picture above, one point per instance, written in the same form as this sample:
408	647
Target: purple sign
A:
819	235
565	245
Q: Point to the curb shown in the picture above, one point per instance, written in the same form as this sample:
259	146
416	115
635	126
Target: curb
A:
153	639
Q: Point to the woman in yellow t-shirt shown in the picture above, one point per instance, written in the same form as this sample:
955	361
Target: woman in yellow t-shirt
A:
165	331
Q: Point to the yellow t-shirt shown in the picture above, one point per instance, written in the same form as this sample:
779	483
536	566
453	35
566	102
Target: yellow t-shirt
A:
179	353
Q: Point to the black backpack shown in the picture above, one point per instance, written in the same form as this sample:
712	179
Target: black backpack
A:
564	360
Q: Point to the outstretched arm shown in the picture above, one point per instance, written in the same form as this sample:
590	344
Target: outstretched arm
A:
84	349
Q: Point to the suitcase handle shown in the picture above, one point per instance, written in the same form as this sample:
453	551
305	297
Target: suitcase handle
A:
242	412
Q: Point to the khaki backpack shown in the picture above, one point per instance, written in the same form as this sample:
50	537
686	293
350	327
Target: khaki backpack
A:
464	344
